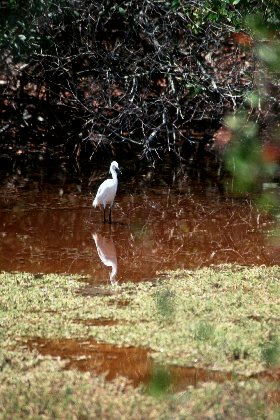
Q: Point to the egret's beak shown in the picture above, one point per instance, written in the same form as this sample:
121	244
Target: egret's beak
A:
118	171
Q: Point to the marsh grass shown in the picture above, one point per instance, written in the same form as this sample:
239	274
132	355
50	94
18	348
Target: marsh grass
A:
223	318
165	304
204	331
161	380
271	352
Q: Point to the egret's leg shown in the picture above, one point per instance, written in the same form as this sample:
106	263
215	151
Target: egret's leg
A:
104	215
110	215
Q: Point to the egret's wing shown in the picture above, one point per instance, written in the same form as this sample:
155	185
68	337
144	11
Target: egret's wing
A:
105	187
102	192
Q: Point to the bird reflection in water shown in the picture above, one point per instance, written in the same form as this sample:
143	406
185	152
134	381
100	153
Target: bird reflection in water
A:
107	253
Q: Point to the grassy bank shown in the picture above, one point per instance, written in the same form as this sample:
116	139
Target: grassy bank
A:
222	319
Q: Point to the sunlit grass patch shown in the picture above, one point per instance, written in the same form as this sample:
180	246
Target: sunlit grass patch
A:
219	317
224	318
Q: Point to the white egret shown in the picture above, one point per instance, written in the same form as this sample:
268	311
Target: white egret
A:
106	193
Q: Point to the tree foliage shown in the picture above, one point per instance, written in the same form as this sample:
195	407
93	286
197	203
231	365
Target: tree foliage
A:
129	73
253	155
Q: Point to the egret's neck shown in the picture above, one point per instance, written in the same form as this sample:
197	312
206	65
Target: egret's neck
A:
114	175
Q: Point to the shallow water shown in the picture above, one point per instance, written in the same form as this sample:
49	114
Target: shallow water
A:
55	229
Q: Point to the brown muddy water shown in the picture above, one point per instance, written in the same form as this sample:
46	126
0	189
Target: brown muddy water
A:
55	229
133	363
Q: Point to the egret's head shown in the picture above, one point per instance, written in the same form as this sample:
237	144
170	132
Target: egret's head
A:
115	167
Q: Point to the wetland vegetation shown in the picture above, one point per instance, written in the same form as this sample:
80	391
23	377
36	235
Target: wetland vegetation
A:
223	319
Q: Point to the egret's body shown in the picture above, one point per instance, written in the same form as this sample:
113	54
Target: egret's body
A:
106	193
